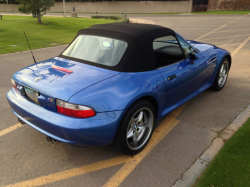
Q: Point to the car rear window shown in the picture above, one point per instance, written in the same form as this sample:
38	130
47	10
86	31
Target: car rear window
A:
97	49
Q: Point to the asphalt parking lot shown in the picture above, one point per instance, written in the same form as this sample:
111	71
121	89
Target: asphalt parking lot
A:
26	159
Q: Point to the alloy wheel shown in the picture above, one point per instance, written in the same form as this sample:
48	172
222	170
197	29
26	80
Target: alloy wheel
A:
140	128
223	73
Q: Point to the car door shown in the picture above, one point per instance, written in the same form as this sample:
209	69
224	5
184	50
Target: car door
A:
185	76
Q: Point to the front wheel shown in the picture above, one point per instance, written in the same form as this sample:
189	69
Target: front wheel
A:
221	76
136	128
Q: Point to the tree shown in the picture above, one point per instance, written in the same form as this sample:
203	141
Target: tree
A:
38	7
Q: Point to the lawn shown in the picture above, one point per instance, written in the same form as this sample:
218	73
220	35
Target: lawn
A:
53	31
231	167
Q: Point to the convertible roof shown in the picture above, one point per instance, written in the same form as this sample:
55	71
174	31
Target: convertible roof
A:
133	29
139	55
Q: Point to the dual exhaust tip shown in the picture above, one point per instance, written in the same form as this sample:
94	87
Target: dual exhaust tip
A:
20	121
51	140
48	139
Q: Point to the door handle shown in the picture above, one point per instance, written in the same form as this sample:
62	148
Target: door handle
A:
172	77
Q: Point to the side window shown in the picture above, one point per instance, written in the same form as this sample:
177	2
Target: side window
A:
167	51
187	49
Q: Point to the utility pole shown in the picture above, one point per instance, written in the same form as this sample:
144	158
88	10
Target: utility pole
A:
64	8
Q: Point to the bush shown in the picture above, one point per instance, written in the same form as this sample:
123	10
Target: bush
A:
114	17
106	17
124	20
118	18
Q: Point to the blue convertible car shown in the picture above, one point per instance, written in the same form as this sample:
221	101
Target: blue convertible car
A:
113	82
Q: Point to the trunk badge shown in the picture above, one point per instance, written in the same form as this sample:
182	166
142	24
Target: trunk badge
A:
50	100
38	79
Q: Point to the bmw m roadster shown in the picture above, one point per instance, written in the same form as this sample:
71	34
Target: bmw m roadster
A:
113	82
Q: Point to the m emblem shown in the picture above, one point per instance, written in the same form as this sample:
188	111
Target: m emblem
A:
51	100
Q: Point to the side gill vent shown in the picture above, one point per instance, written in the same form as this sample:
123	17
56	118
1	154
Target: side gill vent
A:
212	60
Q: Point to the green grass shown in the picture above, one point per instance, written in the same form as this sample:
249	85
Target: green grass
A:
231	167
54	30
224	12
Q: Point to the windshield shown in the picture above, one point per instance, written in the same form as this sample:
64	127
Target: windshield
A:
97	49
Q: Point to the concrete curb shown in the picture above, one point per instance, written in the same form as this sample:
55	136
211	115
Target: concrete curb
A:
136	20
189	178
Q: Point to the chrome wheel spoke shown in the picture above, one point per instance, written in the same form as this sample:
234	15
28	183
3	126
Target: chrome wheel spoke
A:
140	117
133	121
130	133
135	138
137	134
221	69
220	80
141	132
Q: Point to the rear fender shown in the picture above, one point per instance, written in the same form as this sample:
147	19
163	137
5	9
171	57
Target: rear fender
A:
121	91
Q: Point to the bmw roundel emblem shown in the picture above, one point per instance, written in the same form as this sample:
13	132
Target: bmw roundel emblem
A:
38	79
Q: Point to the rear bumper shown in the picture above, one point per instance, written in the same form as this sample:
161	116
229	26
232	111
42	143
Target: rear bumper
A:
97	130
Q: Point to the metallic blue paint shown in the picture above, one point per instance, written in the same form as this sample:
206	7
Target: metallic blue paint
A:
109	93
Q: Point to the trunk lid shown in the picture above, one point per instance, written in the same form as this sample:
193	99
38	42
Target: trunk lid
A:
61	78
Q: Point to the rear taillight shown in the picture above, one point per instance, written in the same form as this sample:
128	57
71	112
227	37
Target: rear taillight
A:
14	84
74	110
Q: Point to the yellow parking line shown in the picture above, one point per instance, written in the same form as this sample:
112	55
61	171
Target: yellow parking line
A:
236	50
122	174
158	134
229	44
232	30
221	27
72	172
10	129
162	130
226	37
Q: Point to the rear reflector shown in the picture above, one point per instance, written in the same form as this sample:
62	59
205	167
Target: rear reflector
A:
61	69
74	110
14	84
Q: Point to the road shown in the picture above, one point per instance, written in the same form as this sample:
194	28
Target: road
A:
181	137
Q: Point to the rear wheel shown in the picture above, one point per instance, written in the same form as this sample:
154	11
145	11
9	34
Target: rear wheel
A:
136	128
222	74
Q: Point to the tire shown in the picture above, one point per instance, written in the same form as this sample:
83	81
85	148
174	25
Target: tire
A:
221	76
136	128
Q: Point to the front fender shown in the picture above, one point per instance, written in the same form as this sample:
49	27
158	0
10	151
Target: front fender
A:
120	91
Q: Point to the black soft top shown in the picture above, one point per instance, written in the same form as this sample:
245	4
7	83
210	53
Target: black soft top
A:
139	55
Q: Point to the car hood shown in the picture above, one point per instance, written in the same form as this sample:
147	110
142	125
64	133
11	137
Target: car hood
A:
61	78
201	46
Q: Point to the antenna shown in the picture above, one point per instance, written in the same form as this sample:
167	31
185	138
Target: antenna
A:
29	47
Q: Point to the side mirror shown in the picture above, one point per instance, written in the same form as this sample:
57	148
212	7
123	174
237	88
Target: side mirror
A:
193	56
